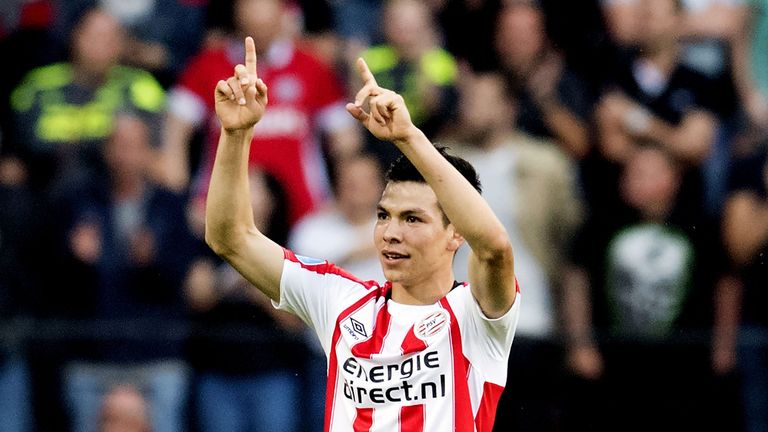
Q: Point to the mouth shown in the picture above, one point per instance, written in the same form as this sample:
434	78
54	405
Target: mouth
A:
393	257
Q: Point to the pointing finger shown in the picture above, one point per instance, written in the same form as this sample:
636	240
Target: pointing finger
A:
365	73
250	58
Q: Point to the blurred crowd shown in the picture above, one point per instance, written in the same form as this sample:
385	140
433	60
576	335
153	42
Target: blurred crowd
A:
623	143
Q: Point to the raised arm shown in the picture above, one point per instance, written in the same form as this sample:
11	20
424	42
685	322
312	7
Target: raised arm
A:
491	266
229	227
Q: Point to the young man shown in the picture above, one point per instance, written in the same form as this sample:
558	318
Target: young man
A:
420	352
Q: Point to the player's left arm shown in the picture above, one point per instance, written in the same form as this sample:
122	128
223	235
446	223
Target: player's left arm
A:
491	266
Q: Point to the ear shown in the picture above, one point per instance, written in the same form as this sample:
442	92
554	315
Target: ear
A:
456	240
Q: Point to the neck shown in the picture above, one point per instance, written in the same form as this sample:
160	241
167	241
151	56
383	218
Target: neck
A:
657	213
425	292
87	77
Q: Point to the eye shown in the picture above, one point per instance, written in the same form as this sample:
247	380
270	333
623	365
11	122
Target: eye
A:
382	216
412	219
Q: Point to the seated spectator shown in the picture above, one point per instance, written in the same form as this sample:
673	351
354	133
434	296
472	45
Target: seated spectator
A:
124	233
286	143
248	356
412	62
521	169
552	100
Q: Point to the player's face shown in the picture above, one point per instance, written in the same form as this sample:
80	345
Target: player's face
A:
413	242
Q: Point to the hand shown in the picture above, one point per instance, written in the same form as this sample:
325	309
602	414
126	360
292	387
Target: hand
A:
586	362
241	99
388	118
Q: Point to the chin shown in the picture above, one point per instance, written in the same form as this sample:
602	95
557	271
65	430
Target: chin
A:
393	275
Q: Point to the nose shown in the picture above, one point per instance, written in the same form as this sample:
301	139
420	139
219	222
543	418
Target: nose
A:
392	232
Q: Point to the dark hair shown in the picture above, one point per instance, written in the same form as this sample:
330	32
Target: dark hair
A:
402	170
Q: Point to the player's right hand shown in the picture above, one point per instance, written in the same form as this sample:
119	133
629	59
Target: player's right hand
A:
242	99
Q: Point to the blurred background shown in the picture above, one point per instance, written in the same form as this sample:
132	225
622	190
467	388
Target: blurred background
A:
623	143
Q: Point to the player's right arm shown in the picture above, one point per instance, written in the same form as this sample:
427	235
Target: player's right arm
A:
229	227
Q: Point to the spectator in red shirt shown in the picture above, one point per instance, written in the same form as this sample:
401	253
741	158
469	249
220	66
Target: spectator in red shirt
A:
287	143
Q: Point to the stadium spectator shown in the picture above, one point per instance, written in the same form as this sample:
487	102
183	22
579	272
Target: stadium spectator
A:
655	98
412	62
522	169
124	232
64	111
341	231
287	144
161	34
745	223
640	304
248	357
552	100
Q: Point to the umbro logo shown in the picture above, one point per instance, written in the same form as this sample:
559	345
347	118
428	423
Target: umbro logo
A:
358	327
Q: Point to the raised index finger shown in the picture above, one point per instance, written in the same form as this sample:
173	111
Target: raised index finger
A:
365	73
250	58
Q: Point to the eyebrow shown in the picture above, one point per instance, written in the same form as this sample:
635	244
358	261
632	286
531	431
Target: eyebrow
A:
407	212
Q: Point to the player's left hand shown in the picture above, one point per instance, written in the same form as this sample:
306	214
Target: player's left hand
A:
387	117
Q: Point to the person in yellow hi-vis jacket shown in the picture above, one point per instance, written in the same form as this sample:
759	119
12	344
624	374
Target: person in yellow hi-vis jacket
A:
64	111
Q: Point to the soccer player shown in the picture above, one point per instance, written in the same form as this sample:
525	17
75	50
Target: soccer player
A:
419	352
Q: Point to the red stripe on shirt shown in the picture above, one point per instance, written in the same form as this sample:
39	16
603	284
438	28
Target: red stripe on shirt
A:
375	343
363	420
411	343
486	412
330	391
462	416
412	418
325	267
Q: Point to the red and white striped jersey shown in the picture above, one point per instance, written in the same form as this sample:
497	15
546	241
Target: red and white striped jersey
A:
395	367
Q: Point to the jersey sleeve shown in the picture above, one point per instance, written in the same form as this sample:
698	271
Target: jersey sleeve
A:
317	291
486	341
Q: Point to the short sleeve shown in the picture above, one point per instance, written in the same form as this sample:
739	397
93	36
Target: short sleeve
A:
317	291
487	342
